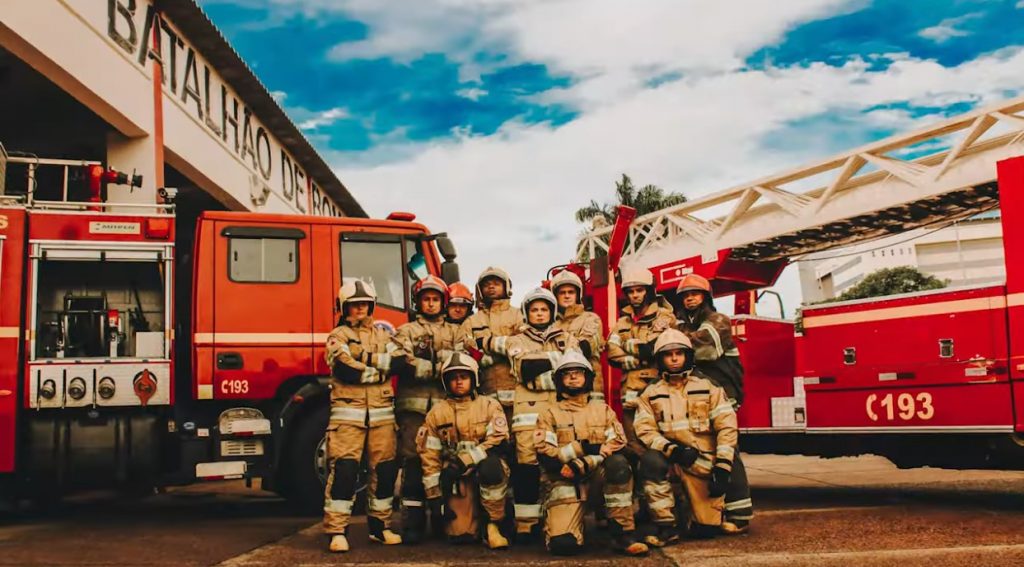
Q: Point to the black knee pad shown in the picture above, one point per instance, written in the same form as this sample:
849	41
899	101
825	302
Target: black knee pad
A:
526	483
346	472
564	544
412	479
653	466
490	472
387	474
616	469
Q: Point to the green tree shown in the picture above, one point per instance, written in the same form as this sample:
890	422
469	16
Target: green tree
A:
886	281
646	199
892	281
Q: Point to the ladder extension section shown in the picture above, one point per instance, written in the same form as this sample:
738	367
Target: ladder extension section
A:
867	192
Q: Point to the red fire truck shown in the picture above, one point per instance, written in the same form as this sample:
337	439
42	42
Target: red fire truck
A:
135	354
932	378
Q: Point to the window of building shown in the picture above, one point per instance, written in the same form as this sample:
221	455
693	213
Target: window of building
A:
263	260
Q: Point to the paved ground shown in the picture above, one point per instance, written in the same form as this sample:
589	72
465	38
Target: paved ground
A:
860	511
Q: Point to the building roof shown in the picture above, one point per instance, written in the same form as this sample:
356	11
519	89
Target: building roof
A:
200	30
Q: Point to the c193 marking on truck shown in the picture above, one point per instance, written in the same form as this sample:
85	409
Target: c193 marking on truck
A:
234	387
903	406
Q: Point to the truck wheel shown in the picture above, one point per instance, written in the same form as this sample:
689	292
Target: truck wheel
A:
306	464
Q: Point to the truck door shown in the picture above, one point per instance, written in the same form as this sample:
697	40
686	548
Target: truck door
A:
262	308
12	246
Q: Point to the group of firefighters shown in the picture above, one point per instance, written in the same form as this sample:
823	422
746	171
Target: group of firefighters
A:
499	400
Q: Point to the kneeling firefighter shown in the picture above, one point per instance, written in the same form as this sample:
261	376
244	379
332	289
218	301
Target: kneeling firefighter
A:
362	418
422	345
689	428
462	445
580	445
534	352
718	358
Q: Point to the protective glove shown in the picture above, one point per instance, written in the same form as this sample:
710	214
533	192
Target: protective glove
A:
531	368
645	351
346	374
590	448
682	454
578	467
719	481
586	349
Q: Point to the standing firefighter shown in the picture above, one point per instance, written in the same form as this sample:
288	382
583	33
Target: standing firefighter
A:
690	429
579	444
631	344
487	331
534	354
462	445
362	418
717	357
460	303
422	345
580	323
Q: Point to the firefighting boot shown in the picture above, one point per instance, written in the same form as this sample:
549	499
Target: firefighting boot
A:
495	539
625	542
664	534
339	543
735	527
381	534
414	525
702	531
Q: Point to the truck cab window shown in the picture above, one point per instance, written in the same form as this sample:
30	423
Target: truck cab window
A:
378	262
263	260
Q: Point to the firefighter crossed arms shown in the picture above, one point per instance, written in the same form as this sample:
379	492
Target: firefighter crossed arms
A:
492	422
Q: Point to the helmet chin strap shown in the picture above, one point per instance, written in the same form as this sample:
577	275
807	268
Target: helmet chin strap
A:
576	391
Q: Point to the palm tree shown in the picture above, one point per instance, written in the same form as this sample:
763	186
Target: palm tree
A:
647	199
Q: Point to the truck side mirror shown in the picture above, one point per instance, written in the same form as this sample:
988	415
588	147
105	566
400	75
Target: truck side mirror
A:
446	247
450	272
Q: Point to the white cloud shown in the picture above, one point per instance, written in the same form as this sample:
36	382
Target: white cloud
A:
324	118
509	198
1020	5
947	29
472	93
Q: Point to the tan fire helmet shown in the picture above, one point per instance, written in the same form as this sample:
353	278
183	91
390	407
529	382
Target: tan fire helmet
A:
356	291
494	272
567	277
573	359
460	361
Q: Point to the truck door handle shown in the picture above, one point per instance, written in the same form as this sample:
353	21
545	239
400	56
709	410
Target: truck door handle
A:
229	361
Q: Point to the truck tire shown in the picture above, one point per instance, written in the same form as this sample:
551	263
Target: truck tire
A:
306	465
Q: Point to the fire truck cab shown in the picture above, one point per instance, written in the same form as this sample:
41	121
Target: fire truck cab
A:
135	353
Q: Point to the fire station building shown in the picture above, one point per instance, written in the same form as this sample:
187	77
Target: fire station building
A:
152	88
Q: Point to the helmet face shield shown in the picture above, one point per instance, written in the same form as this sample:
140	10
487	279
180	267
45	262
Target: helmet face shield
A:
567	280
493	273
670	344
420	297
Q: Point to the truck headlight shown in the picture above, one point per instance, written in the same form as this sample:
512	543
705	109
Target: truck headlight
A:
76	388
106	388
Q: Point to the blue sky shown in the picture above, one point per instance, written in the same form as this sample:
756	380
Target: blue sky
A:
495	119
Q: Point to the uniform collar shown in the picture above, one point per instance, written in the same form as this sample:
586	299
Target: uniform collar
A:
677	382
571	312
578	401
498	305
430	321
364	323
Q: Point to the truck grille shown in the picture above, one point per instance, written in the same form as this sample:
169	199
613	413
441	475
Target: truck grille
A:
241	448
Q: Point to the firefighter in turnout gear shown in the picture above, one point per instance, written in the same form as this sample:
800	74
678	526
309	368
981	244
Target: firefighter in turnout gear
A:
460	303
717	357
631	344
462	445
487	331
579	444
362	418
534	353
689	427
580	323
422	345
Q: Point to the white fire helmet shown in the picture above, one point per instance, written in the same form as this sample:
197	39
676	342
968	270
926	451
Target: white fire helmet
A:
540	294
566	277
494	272
637	277
355	291
573	359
